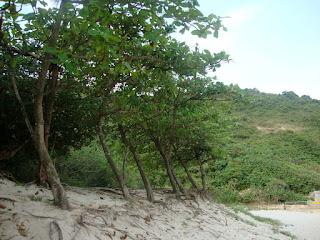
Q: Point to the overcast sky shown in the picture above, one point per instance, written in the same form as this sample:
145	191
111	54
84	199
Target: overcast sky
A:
274	44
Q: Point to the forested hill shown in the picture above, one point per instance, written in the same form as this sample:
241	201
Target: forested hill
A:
274	149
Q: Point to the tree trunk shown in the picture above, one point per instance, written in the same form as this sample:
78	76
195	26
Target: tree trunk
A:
190	178
47	167
124	161
110	160
12	75
176	179
203	176
137	159
37	134
60	197
174	121
167	165
53	86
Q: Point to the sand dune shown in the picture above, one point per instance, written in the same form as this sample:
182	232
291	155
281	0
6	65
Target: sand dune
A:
27	213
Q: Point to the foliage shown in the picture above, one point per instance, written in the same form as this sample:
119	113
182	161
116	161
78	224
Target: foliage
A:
274	148
121	73
95	64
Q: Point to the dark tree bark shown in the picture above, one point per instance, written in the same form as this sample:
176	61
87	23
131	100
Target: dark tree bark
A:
124	162
10	153
176	179
183	164
190	178
174	138
137	159
203	175
167	164
109	158
59	194
12	75
53	86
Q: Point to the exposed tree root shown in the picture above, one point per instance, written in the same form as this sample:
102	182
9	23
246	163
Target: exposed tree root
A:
55	232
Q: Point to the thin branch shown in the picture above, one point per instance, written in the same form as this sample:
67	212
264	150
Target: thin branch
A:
6	154
39	216
22	107
54	230
19	51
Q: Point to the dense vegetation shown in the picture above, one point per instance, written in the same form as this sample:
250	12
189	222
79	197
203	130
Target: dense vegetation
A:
274	149
109	71
99	93
269	151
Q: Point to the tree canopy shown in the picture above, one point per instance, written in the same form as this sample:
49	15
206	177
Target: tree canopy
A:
108	70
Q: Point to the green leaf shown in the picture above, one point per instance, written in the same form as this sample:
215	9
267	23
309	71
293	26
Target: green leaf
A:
50	50
62	56
128	66
216	34
29	16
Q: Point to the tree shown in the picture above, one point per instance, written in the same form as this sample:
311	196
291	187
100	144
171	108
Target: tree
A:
139	41
99	45
8	41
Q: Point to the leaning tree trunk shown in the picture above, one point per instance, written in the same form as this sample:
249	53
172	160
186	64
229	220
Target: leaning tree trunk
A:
124	162
167	164
37	133
176	179
59	194
12	75
60	197
137	159
110	160
203	176
53	87
190	178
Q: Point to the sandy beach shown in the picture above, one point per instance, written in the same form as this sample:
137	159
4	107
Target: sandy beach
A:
27	213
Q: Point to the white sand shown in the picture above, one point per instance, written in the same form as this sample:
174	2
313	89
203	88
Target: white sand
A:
100	215
304	223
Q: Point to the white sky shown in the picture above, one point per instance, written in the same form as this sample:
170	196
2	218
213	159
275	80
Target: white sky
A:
274	45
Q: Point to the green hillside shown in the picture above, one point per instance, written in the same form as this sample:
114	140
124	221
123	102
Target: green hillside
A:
274	149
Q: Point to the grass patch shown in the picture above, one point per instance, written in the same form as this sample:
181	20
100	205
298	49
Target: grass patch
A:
238	218
275	223
35	198
289	234
245	210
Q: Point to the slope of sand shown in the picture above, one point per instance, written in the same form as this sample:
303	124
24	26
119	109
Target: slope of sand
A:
26	212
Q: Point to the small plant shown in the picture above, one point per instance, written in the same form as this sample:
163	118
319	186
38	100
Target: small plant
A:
245	210
237	217
288	234
226	195
35	198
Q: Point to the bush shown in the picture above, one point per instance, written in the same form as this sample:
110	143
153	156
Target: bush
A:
88	167
226	195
